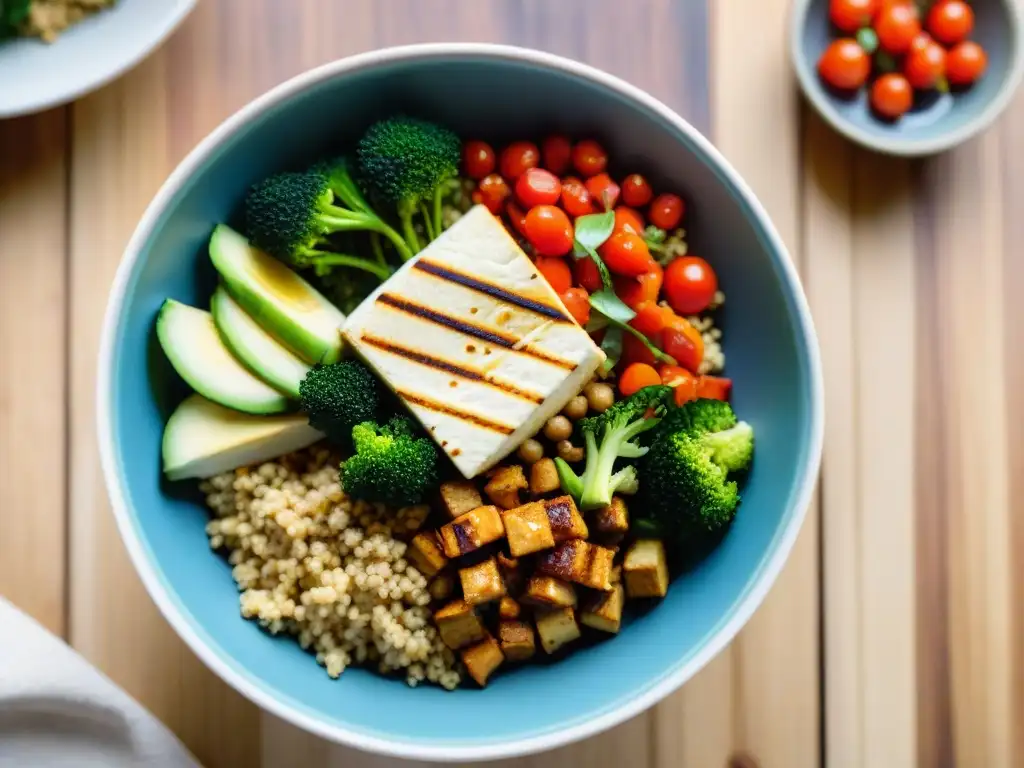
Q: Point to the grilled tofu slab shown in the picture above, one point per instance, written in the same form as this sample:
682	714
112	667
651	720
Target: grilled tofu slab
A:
475	342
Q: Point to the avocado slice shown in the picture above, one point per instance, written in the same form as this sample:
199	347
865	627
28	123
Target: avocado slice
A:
283	303
190	340
258	350
203	439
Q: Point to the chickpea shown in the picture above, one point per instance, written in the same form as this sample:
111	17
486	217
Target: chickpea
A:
576	408
531	451
600	396
558	428
569	452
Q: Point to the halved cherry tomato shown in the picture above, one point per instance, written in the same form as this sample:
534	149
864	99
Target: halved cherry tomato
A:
636	377
646	287
965	63
651	318
690	284
517	157
478	159
714	387
844	64
892	95
575	197
587	274
666	211
636	192
897	24
950	21
492	192
635	351
852	15
628	220
925	64
681	380
626	253
556	272
683	342
603	190
538	187
549	230
589	158
556	152
577	301
517	216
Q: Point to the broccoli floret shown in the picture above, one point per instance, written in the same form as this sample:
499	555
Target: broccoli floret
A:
291	215
609	437
406	161
391	464
698	416
337	396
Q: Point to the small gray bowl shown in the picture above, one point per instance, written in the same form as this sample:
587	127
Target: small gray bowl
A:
937	122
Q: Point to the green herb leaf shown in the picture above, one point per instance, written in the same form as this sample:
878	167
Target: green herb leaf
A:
658	354
594	228
867	38
611	345
596	322
611	306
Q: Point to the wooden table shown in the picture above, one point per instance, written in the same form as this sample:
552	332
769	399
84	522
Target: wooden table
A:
894	637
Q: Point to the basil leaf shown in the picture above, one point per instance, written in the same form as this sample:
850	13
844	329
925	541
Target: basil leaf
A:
867	38
596	322
594	228
611	345
611	306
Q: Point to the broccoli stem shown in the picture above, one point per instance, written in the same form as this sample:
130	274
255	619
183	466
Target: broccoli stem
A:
337	219
431	232
598	481
406	210
378	248
325	259
438	222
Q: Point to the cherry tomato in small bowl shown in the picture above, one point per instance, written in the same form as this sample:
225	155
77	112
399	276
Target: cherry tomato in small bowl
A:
478	159
666	211
925	65
549	230
628	220
896	25
845	65
892	96
517	157
965	63
577	301
852	15
537	186
626	253
589	158
690	284
556	154
950	21
603	191
575	198
636	191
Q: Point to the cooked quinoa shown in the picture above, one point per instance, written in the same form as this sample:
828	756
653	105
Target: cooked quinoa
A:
48	18
315	564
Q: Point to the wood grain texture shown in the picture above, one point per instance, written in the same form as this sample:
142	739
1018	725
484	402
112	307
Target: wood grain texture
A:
33	338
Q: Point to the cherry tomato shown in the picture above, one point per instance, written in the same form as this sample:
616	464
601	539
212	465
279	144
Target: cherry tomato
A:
891	95
681	380
478	159
556	272
844	65
517	217
636	377
922	41
492	191
950	21
626	253
965	63
603	190
646	287
549	230
925	64
538	187
896	25
714	387
517	157
587	274
556	152
666	211
651	318
683	342
628	220
635	351
636	192
589	158
575	197
690	284
852	15
577	301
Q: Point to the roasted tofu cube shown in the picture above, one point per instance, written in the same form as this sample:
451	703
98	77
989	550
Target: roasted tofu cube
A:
517	640
512	573
460	497
549	591
482	659
544	477
646	569
504	486
442	586
611	523
509	608
603	610
528	529
482	583
459	625
580	562
471	531
425	554
565	519
557	627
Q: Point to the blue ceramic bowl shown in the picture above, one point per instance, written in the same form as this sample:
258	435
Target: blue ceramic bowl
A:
937	122
498	93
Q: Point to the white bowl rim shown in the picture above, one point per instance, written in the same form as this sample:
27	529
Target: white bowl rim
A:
60	98
412	749
908	147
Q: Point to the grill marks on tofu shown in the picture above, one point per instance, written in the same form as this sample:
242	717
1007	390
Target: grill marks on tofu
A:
645	569
504	486
460	497
556	628
528	529
482	659
471	531
426	555
565	519
459	625
481	583
603	610
518	642
551	592
580	562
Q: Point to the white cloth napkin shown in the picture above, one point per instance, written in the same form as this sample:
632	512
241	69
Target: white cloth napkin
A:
56	710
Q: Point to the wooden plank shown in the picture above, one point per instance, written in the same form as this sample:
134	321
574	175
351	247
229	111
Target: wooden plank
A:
33	338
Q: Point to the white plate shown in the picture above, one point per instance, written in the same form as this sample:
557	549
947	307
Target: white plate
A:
37	75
